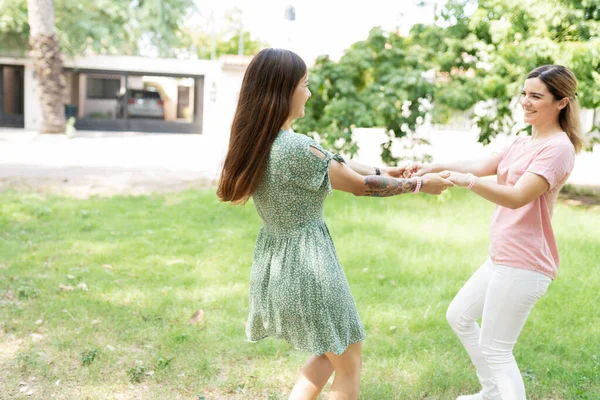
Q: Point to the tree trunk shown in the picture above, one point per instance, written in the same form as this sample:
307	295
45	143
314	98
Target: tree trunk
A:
47	63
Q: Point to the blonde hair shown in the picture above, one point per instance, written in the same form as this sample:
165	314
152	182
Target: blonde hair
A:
561	83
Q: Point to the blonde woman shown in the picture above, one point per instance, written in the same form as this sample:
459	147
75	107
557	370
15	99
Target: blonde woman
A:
523	256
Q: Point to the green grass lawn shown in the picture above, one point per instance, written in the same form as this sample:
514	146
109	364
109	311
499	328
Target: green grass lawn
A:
149	262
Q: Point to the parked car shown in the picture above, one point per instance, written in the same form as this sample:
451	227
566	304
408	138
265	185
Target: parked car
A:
141	103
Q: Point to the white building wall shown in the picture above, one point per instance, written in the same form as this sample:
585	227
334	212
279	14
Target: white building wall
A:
221	86
32	109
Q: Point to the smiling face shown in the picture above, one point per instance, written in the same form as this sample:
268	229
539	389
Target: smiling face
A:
299	99
539	104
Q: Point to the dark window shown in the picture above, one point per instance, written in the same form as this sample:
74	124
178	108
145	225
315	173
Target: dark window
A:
102	88
144	94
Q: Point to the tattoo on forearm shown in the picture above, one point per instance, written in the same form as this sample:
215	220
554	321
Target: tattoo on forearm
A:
381	186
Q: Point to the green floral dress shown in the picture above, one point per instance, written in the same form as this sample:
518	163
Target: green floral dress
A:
298	290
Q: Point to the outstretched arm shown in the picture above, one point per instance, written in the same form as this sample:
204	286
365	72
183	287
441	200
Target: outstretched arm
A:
528	188
345	179
485	166
366	170
362	169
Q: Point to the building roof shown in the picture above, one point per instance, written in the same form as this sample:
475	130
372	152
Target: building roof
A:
230	61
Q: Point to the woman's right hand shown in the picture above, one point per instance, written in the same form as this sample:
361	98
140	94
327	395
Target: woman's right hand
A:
435	183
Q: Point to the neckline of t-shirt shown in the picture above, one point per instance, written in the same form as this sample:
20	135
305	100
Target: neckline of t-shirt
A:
544	139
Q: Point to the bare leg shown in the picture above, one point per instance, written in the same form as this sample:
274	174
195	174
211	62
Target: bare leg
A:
313	377
347	366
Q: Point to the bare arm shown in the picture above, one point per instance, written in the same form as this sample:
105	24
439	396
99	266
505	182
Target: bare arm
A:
366	170
361	169
528	188
485	166
345	179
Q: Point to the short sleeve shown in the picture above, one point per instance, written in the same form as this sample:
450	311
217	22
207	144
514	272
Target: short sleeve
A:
502	148
554	162
310	171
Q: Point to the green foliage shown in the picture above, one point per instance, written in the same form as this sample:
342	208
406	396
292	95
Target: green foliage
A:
102	26
378	82
27	292
163	363
14	28
136	374
224	44
88	357
478	53
167	28
505	39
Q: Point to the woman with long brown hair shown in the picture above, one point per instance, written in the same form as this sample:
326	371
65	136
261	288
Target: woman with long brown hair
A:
523	256
298	290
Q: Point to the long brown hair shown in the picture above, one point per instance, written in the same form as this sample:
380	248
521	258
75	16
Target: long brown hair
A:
263	107
561	83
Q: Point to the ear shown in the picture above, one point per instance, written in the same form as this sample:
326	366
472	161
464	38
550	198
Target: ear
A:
562	103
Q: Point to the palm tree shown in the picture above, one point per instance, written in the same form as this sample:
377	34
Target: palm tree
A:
47	63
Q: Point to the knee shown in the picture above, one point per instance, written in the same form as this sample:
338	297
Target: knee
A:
497	352
453	316
351	365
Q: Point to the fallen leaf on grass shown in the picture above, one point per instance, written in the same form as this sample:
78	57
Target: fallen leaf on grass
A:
65	288
36	337
83	286
8	295
173	262
197	317
107	266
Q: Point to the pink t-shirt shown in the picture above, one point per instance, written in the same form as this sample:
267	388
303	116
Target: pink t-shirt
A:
523	238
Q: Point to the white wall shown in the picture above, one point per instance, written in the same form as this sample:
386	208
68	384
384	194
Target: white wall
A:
211	70
133	82
33	110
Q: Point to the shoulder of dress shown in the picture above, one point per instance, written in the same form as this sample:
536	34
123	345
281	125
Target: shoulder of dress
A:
297	139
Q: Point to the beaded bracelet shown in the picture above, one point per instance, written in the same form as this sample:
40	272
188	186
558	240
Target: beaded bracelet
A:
471	180
418	187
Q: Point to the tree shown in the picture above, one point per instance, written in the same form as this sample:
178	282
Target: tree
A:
47	64
225	38
379	82
128	27
487	54
477	54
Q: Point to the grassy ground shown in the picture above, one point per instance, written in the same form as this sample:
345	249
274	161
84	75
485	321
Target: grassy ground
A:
96	297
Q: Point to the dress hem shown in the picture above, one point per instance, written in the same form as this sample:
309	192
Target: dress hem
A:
316	353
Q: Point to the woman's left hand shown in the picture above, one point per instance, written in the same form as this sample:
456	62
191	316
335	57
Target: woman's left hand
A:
402	171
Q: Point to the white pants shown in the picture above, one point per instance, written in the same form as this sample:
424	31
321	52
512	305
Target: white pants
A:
503	297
